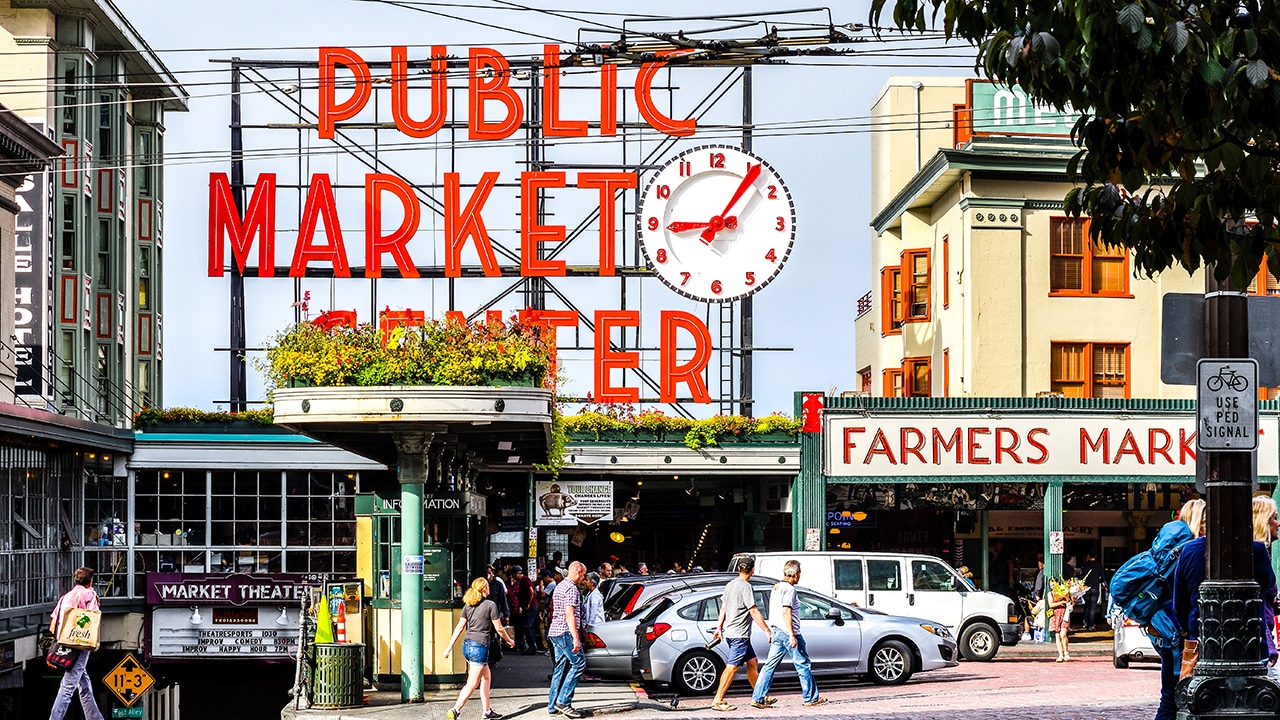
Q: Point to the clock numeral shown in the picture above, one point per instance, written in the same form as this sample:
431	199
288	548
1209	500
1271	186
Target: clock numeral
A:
717	160
773	192
664	191
685	280
751	278
661	255
771	256
653	223
716	287
686	168
782	224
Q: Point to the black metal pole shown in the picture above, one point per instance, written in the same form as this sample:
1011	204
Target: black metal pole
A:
238	382
746	327
1230	677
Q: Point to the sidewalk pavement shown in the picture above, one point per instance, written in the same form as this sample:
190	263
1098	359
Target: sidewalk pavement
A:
1082	644
519	691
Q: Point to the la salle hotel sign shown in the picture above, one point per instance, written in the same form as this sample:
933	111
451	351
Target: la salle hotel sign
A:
959	446
495	111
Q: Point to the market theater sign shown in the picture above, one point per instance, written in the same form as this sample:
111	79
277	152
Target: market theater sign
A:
982	446
495	111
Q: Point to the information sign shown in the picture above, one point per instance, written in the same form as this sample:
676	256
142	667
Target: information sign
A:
129	680
1055	542
128	712
412	564
1227	405
812	539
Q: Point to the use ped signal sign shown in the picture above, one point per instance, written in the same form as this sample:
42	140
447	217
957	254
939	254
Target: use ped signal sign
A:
129	680
1227	405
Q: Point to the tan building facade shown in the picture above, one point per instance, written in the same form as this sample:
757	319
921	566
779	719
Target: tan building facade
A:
88	341
983	286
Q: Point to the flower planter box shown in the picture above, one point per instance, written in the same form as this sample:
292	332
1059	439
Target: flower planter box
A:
235	427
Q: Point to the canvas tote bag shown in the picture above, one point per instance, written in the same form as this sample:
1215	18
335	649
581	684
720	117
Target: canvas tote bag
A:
79	627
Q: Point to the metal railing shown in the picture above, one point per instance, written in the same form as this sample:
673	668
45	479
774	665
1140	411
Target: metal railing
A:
864	304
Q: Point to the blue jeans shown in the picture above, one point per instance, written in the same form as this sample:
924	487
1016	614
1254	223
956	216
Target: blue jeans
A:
779	646
76	679
568	671
1170	665
475	652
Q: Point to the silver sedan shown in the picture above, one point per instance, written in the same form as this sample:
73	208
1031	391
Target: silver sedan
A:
672	638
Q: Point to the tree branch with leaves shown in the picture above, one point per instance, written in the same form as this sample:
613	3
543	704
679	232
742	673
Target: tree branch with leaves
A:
1179	139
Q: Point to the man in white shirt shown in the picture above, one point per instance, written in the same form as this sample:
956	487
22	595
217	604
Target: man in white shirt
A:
784	627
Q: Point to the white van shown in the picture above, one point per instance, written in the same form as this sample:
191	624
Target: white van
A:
920	586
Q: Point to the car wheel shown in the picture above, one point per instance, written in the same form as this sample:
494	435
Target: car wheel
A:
1121	662
890	663
697	673
979	642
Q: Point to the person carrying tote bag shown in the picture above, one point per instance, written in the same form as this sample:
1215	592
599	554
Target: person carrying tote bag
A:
81	597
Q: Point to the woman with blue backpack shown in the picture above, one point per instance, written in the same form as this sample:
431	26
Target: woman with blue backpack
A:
1143	589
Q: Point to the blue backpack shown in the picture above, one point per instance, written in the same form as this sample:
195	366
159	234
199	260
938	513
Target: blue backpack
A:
1143	586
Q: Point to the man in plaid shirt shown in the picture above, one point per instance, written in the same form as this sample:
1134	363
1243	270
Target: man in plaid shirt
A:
566	618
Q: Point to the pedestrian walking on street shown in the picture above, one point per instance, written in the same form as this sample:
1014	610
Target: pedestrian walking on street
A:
566	620
786	640
1059	620
76	679
479	620
498	597
737	612
1095	576
1266	523
527	620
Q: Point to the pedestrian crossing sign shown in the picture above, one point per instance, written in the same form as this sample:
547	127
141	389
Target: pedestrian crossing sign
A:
129	680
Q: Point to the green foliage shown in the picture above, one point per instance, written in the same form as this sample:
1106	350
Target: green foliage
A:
1180	158
153	416
601	420
436	353
556	450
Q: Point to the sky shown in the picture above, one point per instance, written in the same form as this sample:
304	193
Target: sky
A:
813	125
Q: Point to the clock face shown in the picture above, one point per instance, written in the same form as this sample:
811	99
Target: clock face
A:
716	223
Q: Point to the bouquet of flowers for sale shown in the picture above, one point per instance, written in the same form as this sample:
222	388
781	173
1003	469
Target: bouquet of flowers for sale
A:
1072	590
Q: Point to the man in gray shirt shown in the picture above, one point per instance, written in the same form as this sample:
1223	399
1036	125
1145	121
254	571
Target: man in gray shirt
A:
737	612
784	618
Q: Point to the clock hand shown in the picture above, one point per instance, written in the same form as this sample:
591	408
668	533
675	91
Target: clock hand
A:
679	227
753	173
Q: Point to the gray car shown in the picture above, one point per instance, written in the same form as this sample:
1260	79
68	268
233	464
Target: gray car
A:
609	645
672	639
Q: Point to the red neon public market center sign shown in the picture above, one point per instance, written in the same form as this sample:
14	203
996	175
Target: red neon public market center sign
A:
494	112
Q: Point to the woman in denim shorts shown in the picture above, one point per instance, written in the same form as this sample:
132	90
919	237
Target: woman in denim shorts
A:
479	618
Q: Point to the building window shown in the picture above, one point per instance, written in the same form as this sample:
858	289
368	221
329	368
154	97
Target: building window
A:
1080	267
103	278
144	278
946	271
893	383
864	380
143	164
915	265
69	98
1264	283
1090	370
891	300
918	377
68	244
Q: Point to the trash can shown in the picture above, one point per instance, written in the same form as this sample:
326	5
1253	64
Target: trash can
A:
338	678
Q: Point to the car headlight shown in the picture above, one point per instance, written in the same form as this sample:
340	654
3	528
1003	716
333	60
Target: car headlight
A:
939	630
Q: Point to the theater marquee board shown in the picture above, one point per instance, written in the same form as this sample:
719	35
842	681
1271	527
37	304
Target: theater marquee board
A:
984	447
213	615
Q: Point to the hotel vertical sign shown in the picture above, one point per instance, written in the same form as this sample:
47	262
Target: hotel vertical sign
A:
33	282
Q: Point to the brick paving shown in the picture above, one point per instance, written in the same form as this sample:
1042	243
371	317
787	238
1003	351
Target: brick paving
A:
1013	689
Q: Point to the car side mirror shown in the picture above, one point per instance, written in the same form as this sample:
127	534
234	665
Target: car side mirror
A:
834	615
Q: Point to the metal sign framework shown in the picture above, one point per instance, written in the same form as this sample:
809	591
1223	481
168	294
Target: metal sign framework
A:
279	85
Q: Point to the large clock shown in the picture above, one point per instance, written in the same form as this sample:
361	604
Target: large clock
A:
716	223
